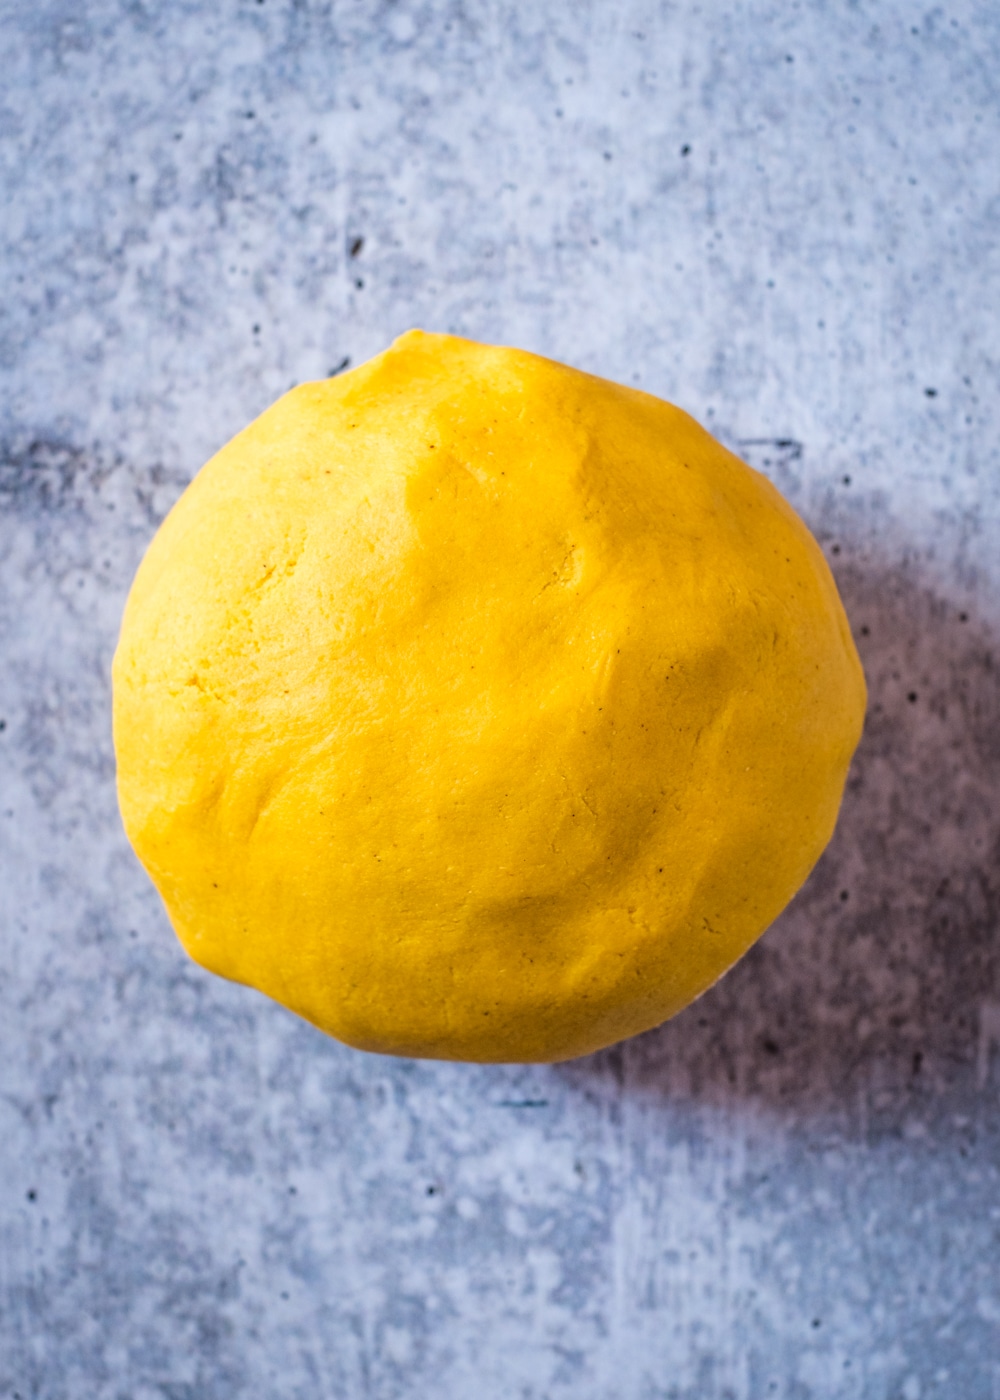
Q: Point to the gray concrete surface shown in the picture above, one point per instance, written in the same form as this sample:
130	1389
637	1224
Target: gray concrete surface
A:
783	217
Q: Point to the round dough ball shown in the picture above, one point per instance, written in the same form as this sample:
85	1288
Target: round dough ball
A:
477	708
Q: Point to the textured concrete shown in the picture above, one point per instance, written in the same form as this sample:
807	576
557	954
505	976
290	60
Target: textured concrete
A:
783	217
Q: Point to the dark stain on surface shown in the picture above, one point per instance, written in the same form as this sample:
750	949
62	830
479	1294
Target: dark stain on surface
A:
40	476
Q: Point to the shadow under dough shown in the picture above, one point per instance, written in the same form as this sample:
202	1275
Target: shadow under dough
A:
876	995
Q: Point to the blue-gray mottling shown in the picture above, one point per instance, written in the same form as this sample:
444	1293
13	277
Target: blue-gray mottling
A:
783	217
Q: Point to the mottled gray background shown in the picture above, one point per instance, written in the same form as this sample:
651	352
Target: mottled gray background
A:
783	217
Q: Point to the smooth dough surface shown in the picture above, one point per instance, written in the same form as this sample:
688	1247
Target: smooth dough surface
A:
477	708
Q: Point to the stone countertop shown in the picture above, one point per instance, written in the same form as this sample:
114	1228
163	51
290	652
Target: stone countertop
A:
782	217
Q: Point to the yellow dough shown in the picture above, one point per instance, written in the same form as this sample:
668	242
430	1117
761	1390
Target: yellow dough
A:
477	708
